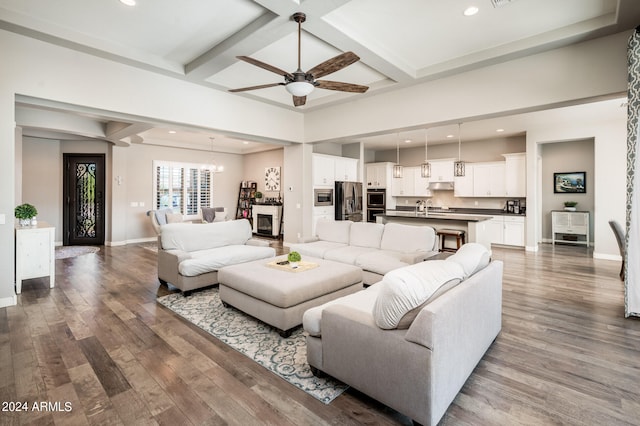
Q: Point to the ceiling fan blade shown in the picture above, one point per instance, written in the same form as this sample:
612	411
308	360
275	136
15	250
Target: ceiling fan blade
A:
265	66
299	100
262	86
334	64
340	86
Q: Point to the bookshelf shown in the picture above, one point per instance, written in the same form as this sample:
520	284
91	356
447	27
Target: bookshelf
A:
246	200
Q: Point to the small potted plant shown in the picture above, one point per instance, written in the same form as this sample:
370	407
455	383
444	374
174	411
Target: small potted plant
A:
258	197
570	206
293	258
25	213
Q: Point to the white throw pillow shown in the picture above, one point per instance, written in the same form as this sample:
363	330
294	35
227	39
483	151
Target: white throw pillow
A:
174	218
472	257
407	288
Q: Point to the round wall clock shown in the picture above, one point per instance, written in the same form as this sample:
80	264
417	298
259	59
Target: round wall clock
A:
272	179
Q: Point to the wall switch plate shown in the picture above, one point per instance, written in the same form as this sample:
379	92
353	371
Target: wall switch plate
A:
134	204
3	219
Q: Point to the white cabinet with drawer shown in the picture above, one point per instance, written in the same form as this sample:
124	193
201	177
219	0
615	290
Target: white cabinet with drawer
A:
569	227
35	253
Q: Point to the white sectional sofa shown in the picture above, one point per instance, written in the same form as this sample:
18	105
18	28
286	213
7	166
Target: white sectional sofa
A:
376	248
189	256
412	340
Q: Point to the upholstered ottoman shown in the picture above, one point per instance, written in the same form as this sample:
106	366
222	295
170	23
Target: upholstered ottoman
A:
280	295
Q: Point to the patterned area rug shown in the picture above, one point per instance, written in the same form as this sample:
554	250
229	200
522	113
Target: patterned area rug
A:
64	252
285	357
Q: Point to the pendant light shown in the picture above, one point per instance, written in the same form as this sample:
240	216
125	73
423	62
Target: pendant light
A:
214	168
425	168
458	166
397	169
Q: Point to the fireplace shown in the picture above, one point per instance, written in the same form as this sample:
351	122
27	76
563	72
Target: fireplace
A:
264	226
266	220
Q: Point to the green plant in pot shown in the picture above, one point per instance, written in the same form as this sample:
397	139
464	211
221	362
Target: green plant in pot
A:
293	258
258	196
25	213
570	205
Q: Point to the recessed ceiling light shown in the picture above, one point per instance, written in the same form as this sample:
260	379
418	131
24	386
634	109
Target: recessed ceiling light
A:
449	136
499	130
407	141
245	142
470	11
172	132
128	2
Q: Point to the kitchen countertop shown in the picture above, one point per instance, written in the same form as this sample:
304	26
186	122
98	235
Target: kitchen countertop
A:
433	216
460	210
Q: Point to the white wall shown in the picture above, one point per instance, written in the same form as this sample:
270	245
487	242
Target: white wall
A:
569	156
255	165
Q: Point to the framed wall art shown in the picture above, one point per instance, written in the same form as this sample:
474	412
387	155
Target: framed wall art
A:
570	183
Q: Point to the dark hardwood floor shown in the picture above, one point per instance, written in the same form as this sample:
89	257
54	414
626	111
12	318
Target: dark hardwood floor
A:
98	349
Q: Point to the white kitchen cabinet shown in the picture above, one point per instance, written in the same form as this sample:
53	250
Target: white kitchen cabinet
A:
574	224
513	231
441	170
321	212
35	255
346	169
494	227
406	185
378	175
323	170
421	185
515	175
463	185
488	179
506	230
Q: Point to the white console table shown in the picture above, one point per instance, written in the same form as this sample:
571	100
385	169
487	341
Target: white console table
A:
570	223
35	253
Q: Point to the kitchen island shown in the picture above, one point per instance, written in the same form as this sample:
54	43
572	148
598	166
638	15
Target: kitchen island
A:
473	225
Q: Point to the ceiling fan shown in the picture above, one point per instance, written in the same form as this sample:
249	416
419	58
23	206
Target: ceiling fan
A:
300	83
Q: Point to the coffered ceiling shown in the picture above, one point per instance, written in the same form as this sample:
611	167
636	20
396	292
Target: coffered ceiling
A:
400	43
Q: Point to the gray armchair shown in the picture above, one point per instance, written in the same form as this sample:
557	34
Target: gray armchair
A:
620	237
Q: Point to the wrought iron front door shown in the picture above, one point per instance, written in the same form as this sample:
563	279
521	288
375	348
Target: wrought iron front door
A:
83	199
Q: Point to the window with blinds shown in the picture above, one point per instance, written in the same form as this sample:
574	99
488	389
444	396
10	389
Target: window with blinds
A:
185	188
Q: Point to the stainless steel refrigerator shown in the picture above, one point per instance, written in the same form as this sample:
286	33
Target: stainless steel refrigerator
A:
348	201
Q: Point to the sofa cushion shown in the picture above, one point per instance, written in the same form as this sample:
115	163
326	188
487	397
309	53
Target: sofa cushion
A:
472	257
347	254
174	218
362	301
410	287
316	248
203	261
336	231
161	215
407	238
365	234
381	261
193	237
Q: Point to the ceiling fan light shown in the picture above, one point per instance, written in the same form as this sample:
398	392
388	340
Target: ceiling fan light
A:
299	88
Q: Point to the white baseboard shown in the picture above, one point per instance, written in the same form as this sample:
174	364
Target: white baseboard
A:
8	301
134	241
606	256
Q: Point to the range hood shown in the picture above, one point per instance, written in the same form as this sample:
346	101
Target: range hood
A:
441	186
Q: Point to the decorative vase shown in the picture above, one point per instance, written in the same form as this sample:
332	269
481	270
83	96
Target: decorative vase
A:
34	221
570	209
24	222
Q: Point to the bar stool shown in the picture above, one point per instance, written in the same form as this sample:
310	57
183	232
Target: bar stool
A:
444	233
